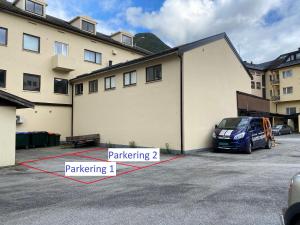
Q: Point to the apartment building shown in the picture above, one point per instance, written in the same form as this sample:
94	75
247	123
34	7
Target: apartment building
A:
173	98
40	54
258	81
282	79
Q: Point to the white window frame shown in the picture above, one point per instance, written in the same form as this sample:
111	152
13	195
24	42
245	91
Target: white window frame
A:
285	90
63	47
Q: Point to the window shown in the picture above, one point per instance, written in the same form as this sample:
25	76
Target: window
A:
31	43
31	82
153	73
271	77
110	63
110	83
263	78
286	74
60	86
129	78
252	84
79	89
2	78
89	27
298	56
61	48
258	85
3	36
93	57
287	90
34	7
271	93
291	110
126	40
93	86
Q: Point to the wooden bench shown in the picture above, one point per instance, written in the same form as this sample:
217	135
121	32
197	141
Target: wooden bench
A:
84	140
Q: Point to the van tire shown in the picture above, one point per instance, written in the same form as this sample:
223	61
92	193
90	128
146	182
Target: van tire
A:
268	144
249	149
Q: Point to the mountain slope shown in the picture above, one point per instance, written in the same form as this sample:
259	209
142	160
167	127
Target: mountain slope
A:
150	42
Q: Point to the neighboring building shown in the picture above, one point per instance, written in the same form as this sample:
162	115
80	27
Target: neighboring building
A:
8	105
282	77
174	97
258	82
40	53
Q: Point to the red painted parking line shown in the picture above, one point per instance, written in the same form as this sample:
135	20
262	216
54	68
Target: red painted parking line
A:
77	154
104	160
65	154
52	173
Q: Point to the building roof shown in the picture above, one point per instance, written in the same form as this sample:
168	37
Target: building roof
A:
8	99
9	7
281	61
176	50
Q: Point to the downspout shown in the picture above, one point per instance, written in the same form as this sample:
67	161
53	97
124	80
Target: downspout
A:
181	104
72	113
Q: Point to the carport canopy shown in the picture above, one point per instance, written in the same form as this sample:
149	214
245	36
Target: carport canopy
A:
7	99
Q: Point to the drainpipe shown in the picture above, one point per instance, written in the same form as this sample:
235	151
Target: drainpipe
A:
72	113
180	55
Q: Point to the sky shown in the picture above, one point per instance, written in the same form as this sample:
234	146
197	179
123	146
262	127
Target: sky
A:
260	30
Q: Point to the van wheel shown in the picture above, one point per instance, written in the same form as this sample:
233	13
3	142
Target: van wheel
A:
268	144
249	149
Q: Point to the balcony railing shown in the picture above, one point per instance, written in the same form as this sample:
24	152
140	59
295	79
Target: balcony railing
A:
275	98
63	63
275	82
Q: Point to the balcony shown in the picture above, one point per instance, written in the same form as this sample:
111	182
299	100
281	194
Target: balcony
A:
275	98
63	63
275	82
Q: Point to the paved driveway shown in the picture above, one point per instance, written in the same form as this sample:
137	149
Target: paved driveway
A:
205	188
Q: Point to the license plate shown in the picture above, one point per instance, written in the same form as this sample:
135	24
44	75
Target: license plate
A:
223	144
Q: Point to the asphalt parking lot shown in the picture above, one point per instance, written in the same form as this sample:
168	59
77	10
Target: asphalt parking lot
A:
205	188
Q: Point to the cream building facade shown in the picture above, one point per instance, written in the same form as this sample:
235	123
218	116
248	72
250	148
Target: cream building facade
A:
282	79
171	99
40	53
8	106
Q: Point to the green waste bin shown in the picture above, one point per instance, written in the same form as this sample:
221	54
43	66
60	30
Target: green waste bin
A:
51	139
39	139
22	140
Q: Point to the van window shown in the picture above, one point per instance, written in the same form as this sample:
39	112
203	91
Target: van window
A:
233	123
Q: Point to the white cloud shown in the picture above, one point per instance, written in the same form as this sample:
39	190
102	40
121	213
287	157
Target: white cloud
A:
181	21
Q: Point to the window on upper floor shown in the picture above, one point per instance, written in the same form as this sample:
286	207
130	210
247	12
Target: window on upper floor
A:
263	79
291	110
79	89
258	85
129	78
287	90
61	48
271	77
61	86
252	84
110	82
2	78
3	36
298	56
31	43
153	73
126	40
93	86
94	57
87	26
34	7
31	82
271	93
287	73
